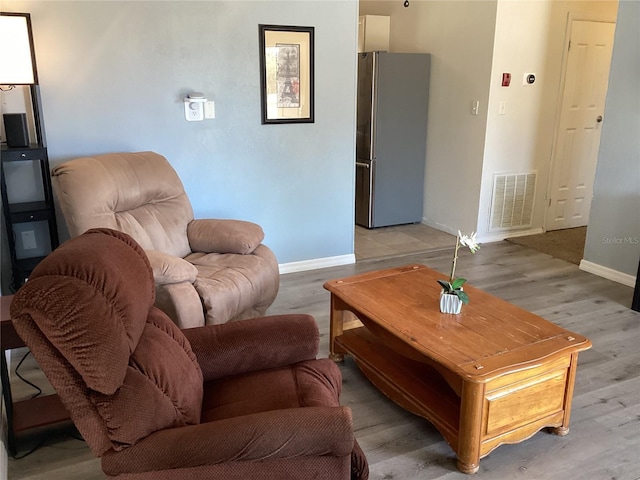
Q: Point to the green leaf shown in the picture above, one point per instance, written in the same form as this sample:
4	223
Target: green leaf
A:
464	298
446	286
457	283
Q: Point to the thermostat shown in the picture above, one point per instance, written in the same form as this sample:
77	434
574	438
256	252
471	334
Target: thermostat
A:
194	107
529	78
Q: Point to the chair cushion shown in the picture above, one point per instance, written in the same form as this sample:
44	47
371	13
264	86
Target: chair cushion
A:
168	269
224	236
91	300
137	193
229	284
162	388
313	383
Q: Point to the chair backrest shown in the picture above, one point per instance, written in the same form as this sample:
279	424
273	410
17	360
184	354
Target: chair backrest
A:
120	366
137	193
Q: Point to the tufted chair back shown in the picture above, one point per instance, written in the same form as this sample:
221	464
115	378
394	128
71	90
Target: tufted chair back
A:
122	368
137	193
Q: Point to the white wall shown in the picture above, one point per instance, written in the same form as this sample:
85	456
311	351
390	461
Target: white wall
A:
113	75
513	139
459	36
530	38
613	237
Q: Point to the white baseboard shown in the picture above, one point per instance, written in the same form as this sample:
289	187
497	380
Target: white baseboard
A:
316	263
499	236
485	237
608	273
439	226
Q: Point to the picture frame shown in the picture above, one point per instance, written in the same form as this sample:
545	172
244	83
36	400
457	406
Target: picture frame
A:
286	74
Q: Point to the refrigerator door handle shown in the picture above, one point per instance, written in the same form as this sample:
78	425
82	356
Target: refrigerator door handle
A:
365	171
374	102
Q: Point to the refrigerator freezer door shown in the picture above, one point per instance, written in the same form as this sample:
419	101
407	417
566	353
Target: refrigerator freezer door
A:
365	171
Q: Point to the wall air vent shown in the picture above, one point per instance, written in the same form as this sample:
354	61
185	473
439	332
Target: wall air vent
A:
512	203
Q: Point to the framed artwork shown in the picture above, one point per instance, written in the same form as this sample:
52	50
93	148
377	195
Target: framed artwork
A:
286	74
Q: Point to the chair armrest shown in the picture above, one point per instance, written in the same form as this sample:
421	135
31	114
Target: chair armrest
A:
181	302
224	236
253	344
287	433
168	269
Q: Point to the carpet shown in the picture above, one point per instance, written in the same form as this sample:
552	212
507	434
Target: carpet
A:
567	244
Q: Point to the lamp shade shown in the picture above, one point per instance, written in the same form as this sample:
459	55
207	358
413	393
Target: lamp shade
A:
16	59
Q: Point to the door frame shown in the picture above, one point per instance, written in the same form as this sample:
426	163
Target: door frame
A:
571	17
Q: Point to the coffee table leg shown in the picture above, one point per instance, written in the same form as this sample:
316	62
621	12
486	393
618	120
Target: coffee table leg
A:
563	429
335	329
472	400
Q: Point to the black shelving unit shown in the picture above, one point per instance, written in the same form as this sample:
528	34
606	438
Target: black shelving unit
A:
25	217
36	219
30	219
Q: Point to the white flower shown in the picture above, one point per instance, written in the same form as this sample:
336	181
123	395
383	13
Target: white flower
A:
454	285
469	241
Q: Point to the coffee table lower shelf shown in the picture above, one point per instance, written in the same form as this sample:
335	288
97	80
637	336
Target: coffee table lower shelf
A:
474	418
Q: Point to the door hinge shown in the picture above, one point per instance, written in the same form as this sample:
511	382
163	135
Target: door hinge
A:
549	202
569	46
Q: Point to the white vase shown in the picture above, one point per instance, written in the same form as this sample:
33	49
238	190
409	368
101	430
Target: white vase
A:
450	303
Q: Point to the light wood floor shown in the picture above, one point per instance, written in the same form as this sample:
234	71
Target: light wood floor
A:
398	240
605	424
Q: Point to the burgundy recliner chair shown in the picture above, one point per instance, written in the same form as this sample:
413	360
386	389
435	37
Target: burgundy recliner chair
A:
242	400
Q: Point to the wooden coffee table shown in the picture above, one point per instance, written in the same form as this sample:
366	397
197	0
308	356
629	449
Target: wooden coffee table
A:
491	375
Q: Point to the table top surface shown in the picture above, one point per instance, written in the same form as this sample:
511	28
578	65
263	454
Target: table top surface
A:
488	337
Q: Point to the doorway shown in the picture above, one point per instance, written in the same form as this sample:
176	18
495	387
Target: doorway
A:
577	138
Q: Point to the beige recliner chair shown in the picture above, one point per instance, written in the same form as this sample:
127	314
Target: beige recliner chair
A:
206	271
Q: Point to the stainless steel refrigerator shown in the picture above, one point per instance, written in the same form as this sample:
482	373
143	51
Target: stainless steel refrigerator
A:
391	141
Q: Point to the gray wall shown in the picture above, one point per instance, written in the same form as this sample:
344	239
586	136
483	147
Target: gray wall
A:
613	236
113	76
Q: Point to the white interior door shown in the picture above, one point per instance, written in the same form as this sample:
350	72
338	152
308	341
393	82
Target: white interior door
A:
575	151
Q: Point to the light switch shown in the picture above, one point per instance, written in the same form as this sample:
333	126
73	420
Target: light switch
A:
209	109
502	109
475	107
